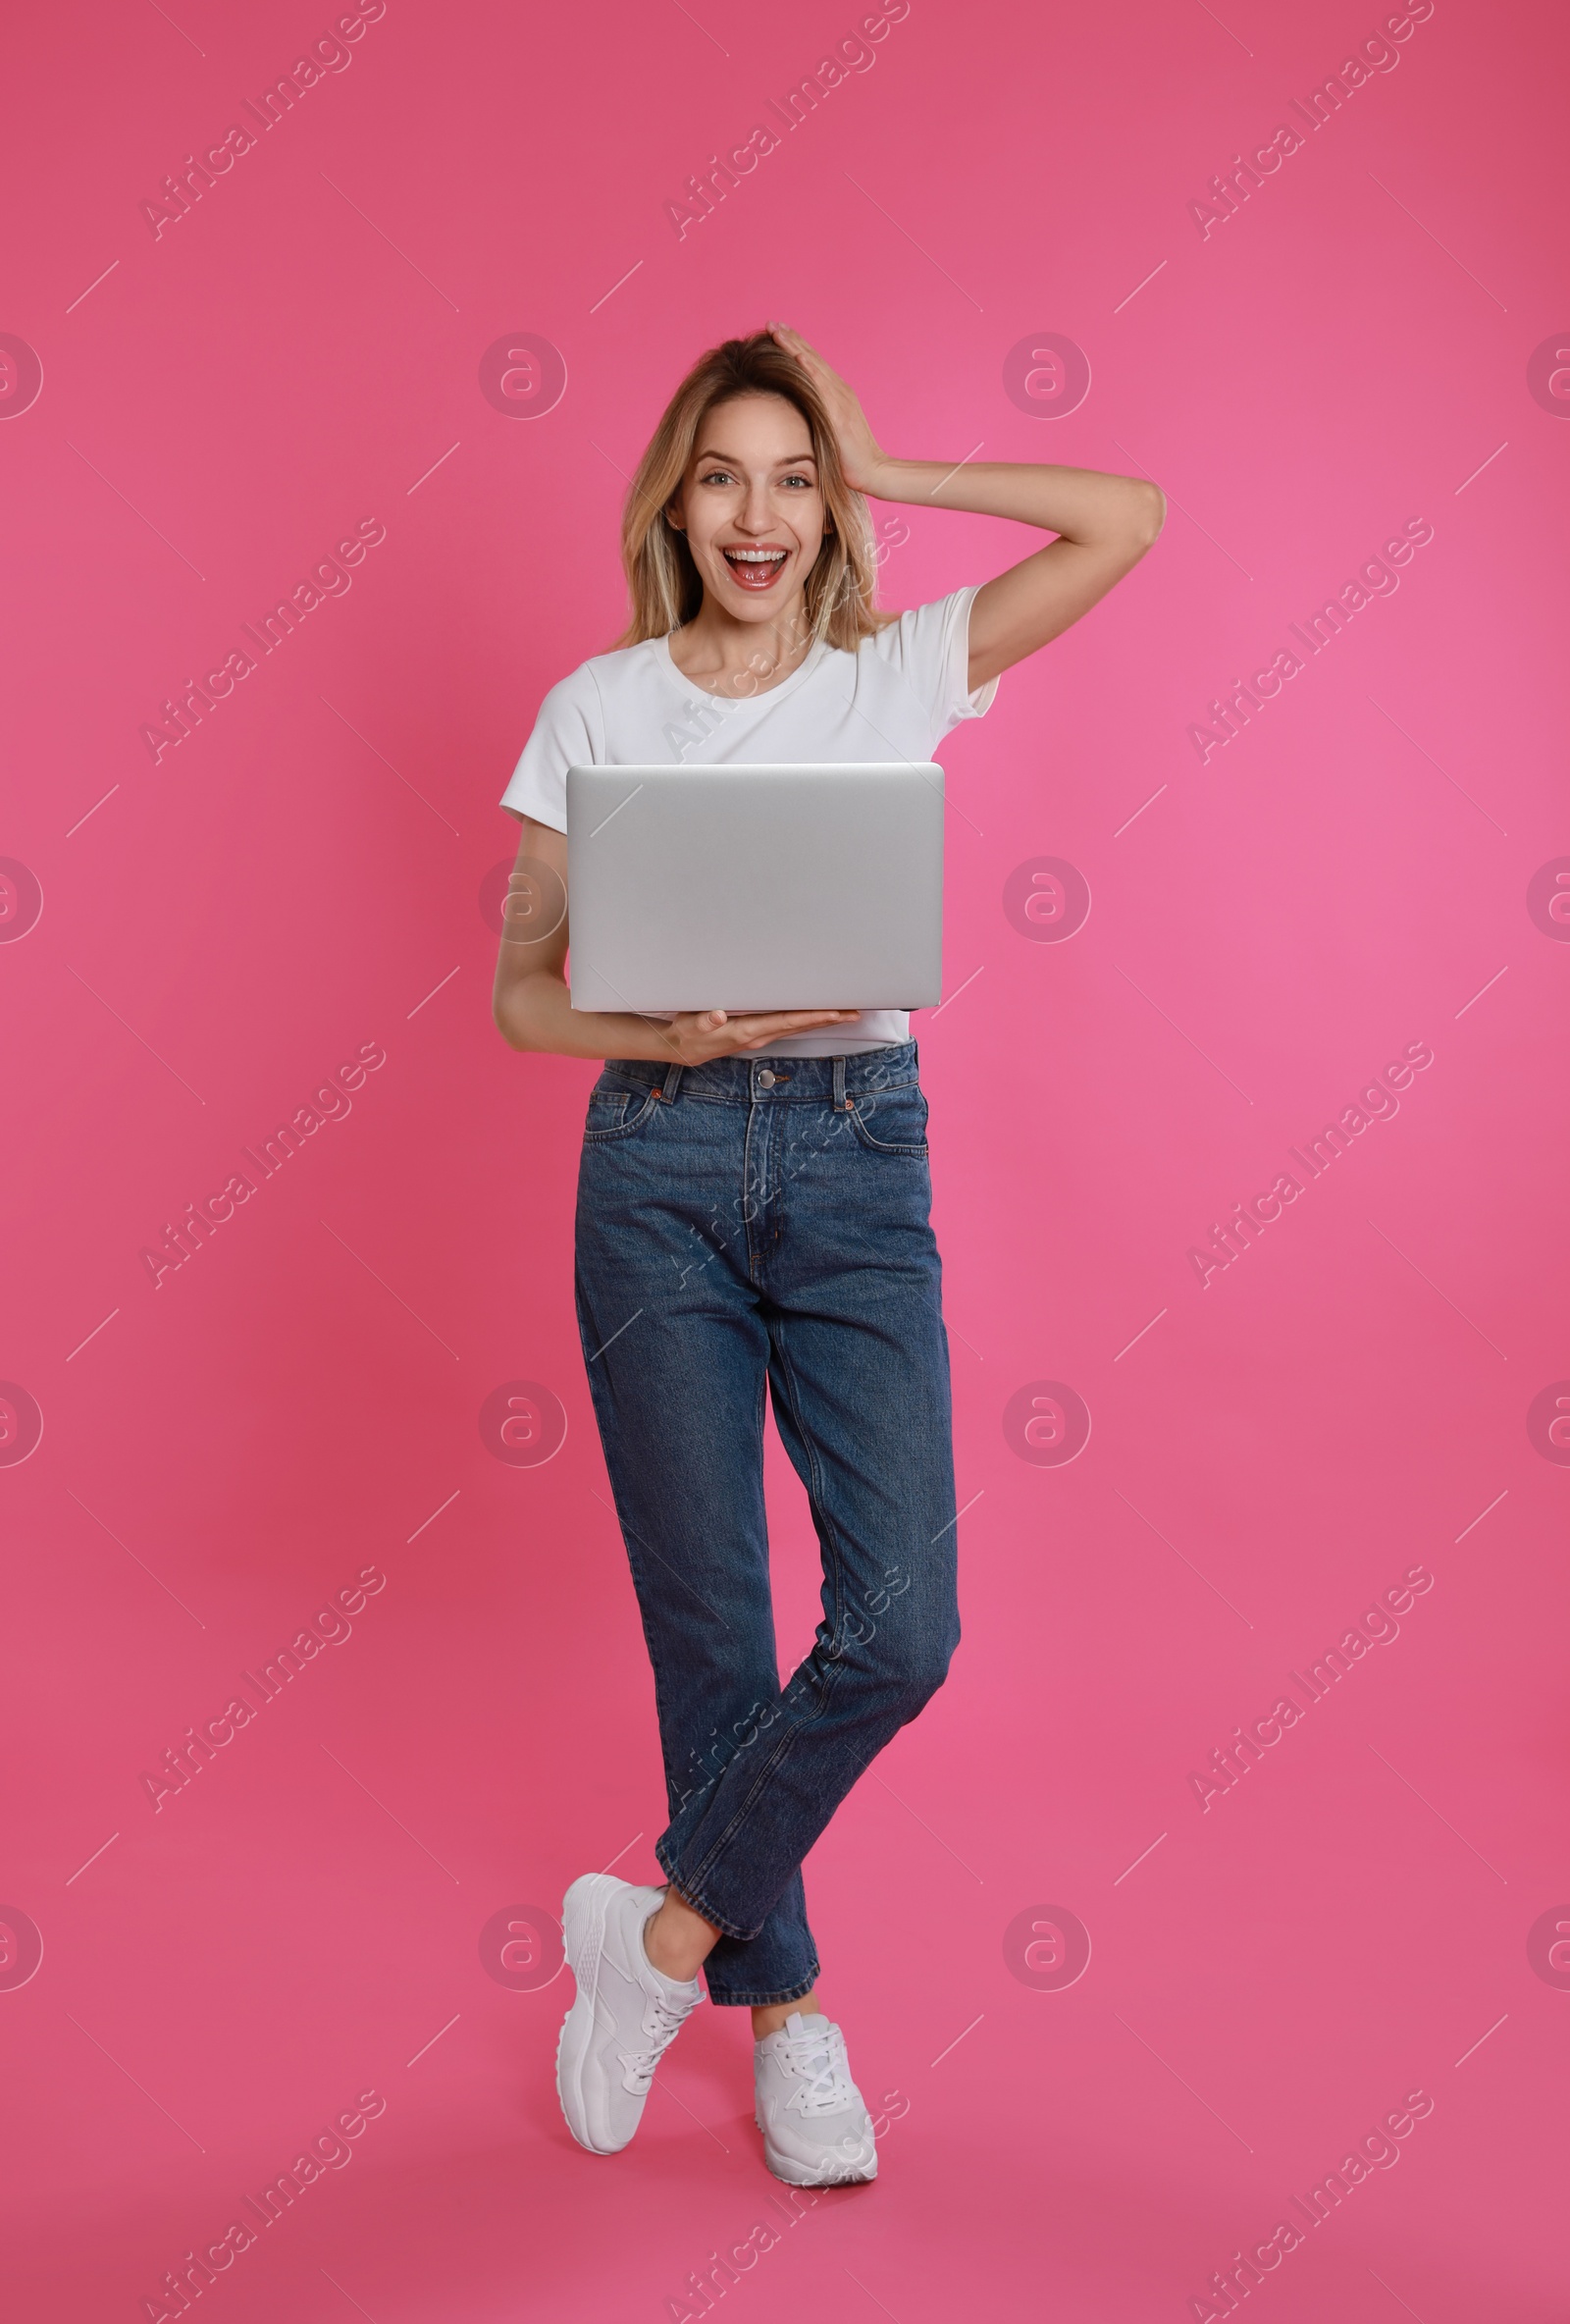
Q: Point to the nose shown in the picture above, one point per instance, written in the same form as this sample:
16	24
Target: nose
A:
757	516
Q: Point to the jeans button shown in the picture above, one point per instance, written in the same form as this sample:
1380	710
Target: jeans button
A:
765	1079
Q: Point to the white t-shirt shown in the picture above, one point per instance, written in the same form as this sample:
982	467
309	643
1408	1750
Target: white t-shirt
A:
891	701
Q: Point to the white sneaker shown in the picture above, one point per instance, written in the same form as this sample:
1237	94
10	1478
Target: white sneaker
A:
816	2131
626	2015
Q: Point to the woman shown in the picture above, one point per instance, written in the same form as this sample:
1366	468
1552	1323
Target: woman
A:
753	1207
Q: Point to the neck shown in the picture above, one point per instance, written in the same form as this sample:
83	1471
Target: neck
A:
714	644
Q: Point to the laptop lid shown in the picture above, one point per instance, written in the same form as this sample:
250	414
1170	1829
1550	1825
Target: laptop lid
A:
755	887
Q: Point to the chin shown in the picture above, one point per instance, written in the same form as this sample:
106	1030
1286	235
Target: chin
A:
752	609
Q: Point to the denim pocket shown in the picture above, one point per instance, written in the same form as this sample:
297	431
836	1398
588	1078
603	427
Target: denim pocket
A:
892	1121
617	1112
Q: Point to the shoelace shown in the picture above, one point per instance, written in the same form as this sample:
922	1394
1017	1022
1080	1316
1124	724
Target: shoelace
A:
818	2061
640	2064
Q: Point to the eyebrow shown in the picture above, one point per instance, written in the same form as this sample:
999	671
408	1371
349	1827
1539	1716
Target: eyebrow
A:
799	459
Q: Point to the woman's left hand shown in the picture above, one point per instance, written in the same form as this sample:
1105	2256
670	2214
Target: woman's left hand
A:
860	456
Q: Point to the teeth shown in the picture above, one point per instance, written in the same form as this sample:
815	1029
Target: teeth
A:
755	557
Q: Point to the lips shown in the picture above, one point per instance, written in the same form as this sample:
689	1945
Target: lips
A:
756	569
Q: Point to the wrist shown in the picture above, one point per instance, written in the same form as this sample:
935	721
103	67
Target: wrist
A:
886	480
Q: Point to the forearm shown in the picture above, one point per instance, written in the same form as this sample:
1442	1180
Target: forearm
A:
1078	503
536	1012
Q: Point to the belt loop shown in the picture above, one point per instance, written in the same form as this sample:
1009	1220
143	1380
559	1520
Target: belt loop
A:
839	1084
672	1083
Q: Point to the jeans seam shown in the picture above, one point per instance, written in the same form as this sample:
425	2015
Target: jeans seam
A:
625	1127
755	1247
816	1498
655	1657
798	1992
692	1893
740	1816
831	1542
691	1096
880	1146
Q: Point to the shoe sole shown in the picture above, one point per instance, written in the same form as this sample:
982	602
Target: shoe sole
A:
583	1929
797	2173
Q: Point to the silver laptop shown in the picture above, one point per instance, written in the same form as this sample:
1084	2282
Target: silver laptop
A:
755	887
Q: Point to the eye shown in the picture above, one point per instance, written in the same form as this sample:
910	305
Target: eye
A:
806	482
717	476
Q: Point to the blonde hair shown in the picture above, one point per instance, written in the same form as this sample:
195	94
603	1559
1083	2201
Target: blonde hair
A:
663	587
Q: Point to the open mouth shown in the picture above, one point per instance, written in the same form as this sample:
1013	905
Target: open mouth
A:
756	568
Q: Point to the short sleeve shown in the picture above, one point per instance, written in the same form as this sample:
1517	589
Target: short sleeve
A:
930	647
567	733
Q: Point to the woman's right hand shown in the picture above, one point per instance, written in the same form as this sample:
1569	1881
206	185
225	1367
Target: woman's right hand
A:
699	1034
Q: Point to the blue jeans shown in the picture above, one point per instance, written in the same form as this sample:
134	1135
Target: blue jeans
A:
765	1220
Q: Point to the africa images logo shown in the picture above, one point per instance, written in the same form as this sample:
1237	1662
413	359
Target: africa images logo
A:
1377	1102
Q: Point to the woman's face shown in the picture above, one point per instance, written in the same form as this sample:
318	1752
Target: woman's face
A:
751	508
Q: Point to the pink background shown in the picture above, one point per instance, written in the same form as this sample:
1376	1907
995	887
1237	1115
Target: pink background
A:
222	1976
